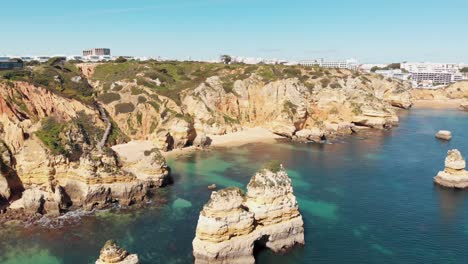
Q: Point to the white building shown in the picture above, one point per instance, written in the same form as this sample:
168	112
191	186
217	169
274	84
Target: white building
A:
431	67
425	74
41	59
350	64
397	74
310	63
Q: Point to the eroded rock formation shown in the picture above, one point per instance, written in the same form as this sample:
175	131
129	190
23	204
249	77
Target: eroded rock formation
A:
111	253
444	135
455	94
454	175
232	223
321	103
52	146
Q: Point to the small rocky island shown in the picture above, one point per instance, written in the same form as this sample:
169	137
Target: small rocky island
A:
112	253
232	223
454	175
444	135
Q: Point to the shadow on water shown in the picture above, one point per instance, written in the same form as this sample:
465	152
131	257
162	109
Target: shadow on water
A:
450	202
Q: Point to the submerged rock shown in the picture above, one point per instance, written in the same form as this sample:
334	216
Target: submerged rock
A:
464	106
112	253
444	135
454	175
232	223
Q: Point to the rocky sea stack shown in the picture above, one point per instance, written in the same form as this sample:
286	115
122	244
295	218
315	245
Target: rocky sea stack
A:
444	135
112	253
232	223
454	175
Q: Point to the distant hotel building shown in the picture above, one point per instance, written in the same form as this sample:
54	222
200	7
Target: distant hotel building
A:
350	64
426	74
97	52
10	64
396	73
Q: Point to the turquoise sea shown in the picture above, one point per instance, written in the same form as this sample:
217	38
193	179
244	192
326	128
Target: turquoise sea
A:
365	199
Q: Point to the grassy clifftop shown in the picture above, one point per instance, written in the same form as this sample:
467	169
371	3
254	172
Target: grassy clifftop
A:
59	77
170	78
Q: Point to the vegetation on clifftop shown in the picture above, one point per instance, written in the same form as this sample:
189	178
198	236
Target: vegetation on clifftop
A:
62	78
49	134
273	166
169	78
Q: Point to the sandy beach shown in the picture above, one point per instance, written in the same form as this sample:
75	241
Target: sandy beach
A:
134	149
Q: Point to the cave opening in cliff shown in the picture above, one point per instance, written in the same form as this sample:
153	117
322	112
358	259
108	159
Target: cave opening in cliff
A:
260	245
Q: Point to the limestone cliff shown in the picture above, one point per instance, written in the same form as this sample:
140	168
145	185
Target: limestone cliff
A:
50	148
454	175
177	104
59	121
455	93
232	223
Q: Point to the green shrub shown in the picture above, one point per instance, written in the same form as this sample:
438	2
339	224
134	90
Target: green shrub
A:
117	88
335	85
273	166
141	99
121	60
292	72
124	108
108	98
49	134
16	74
325	82
317	74
155	105
289	107
136	90
139	118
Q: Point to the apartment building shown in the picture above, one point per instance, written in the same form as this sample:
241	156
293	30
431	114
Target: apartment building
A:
350	64
310	63
397	74
426	73
431	67
436	78
97	52
10	64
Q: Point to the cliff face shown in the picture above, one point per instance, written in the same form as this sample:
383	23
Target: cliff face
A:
58	121
50	148
305	104
231	223
458	90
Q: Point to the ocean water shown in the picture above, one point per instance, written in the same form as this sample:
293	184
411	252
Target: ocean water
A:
365	199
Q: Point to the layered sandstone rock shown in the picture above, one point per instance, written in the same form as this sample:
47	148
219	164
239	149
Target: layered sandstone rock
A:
314	134
111	253
454	175
444	135
454	94
231	223
83	173
284	106
464	106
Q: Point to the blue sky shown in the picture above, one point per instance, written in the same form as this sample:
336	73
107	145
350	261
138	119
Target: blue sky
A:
369	30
